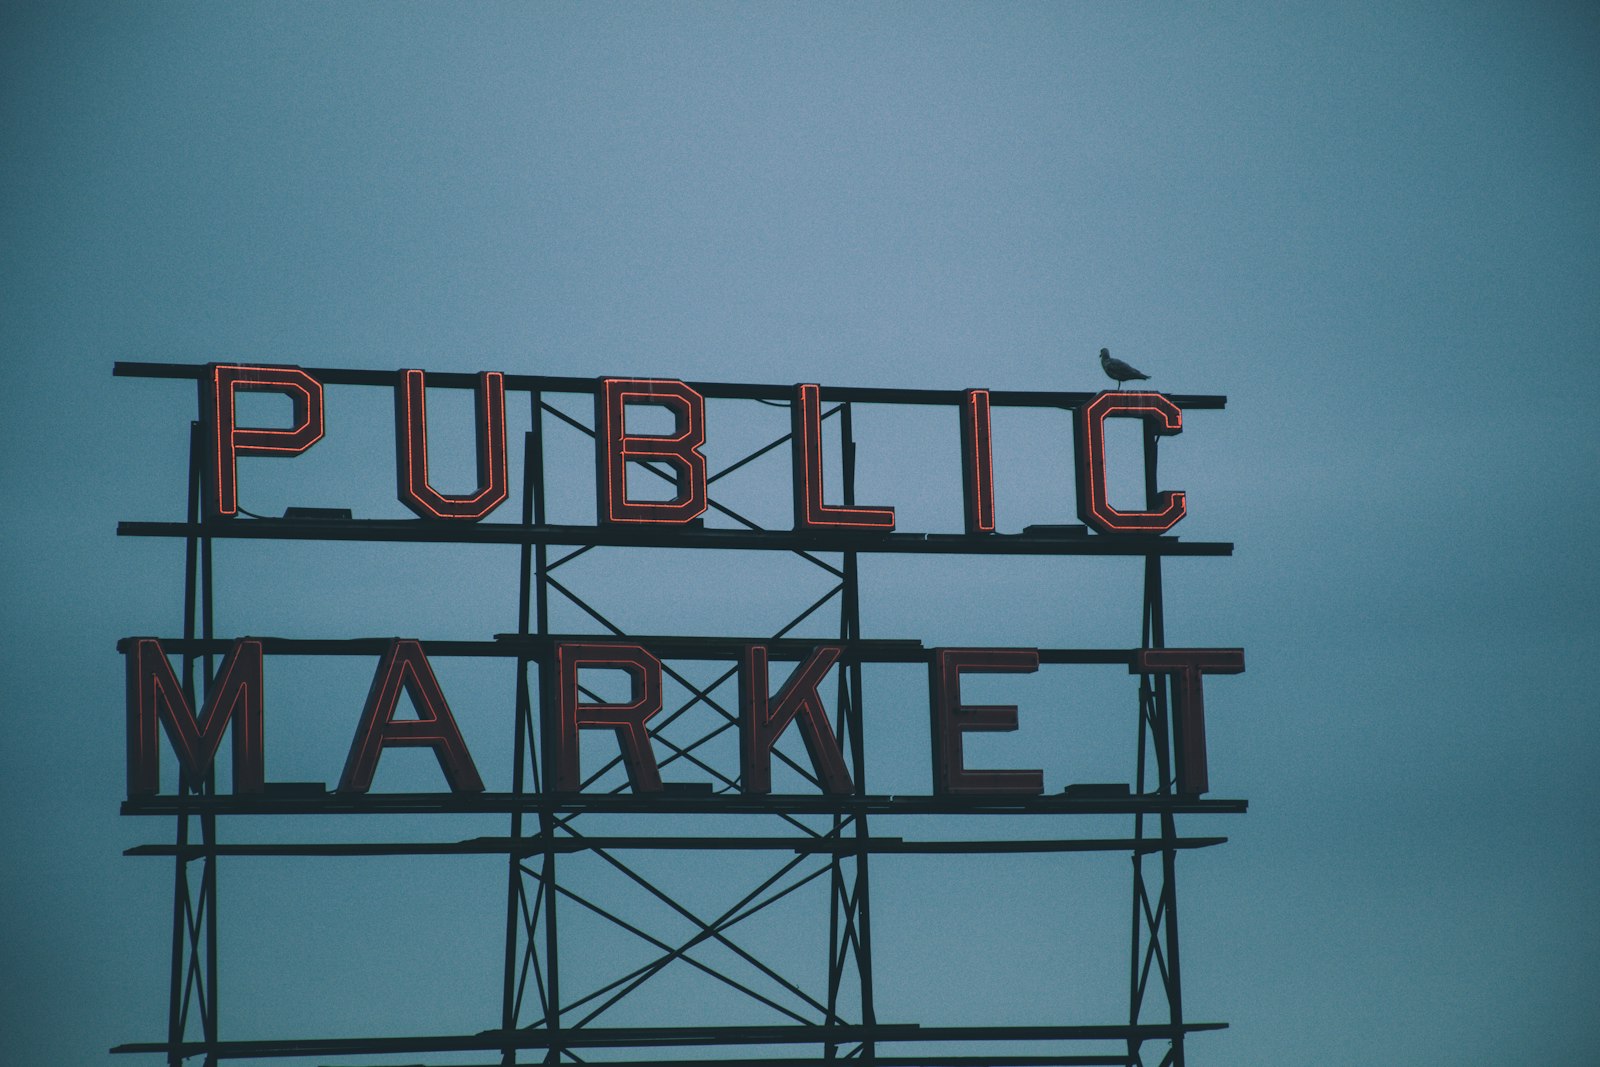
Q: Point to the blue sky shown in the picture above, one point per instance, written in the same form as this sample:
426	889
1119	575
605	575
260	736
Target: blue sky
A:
1373	227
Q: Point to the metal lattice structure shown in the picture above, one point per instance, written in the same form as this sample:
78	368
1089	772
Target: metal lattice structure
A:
813	842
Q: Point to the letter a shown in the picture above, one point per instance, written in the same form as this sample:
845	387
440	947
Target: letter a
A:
405	667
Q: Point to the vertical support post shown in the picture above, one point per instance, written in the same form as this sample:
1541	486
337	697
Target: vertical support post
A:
193	975
208	819
841	925
1155	928
1141	897
547	883
180	876
533	618
532	461
852	610
850	923
546	908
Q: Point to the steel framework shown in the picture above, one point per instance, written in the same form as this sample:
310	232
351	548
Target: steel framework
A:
810	837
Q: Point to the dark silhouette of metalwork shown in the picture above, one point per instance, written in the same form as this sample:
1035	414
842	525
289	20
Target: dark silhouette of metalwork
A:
814	837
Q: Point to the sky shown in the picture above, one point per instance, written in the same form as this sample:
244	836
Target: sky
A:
1373	227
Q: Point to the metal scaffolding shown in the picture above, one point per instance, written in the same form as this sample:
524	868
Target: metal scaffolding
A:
811	839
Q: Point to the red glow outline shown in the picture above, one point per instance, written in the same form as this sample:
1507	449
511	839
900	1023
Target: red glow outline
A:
229	441
405	666
806	455
615	447
1188	694
154	693
977	461
949	719
625	720
414	487
763	719
1167	419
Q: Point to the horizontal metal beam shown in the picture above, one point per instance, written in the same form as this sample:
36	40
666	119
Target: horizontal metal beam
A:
1098	1060
714	390
533	845
428	531
514	646
298	800
663	1037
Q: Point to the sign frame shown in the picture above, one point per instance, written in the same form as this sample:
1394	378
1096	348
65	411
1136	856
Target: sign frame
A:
541	821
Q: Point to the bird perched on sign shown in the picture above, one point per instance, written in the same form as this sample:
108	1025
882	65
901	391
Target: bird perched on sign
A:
1119	371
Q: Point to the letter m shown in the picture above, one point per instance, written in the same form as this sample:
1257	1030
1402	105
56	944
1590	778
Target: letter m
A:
154	693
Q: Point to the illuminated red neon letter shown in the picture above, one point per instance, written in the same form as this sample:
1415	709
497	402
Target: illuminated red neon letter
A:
762	720
615	448
405	667
154	693
415	489
1159	414
977	461
951	719
628	720
1189	720
806	452
229	441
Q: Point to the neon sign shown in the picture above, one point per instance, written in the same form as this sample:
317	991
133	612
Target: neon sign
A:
616	450
789	748
236	699
155	695
1162	417
229	440
236	696
977	462
810	512
413	486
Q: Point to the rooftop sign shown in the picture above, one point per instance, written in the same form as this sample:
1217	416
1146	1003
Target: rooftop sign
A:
747	733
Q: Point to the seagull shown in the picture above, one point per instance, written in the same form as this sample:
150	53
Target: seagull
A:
1119	371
